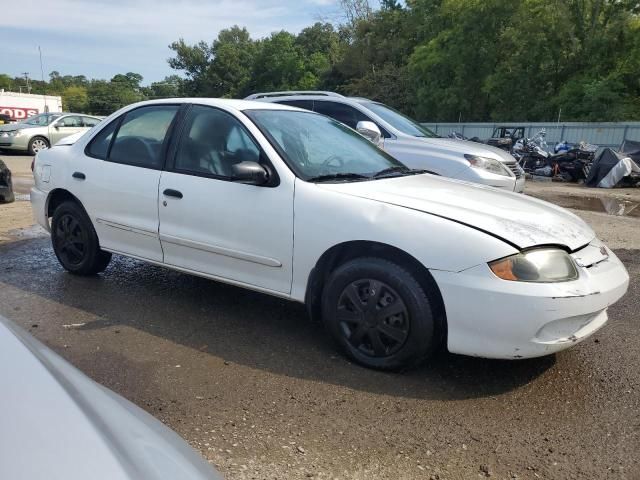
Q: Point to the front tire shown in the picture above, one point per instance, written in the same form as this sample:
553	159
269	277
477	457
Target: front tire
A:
75	242
37	144
379	314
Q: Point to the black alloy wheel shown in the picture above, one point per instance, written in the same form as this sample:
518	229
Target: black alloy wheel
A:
379	314
75	241
71	240
373	318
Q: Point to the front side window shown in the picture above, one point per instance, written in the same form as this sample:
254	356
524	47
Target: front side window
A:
41	120
212	142
90	121
316	146
400	121
140	138
70	122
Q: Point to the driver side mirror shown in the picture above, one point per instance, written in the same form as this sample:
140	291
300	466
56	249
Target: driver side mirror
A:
250	173
370	131
57	127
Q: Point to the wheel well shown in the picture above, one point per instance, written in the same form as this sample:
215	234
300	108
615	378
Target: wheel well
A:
344	252
39	136
57	197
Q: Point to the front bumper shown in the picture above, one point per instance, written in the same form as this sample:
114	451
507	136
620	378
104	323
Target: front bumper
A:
494	318
14	143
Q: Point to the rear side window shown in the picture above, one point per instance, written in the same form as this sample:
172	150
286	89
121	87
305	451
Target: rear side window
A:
99	146
141	136
340	112
306	104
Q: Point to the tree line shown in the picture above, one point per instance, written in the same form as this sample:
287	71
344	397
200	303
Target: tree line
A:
437	60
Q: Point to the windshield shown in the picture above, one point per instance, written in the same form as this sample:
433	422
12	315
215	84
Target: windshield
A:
318	146
400	120
42	120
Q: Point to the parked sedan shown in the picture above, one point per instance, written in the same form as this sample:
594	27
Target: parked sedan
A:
288	202
41	131
59	424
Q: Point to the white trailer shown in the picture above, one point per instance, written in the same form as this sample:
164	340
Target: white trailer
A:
23	105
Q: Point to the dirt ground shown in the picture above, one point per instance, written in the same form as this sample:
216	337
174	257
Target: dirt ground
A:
262	394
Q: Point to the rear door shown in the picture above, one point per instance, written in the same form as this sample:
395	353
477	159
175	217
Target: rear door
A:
124	196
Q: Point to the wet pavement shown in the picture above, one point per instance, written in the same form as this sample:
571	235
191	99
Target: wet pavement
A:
609	205
262	393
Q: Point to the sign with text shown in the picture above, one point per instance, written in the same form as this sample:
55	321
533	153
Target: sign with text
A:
18	113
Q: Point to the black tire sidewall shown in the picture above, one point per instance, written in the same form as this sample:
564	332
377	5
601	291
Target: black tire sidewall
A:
421	340
92	259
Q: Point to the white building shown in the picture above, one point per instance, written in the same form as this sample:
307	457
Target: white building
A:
22	105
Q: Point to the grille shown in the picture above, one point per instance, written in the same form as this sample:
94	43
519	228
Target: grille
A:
513	166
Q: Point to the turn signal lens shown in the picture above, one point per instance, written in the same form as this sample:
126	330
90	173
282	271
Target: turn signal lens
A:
544	265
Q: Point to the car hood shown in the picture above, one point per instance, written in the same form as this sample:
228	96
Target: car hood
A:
59	424
517	219
463	147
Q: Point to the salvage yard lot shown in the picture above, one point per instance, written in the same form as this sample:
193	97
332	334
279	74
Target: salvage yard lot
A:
262	394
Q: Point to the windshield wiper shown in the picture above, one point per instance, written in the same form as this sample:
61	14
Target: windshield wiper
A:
398	171
337	176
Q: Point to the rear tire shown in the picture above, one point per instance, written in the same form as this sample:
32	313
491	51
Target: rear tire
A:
75	242
379	315
37	144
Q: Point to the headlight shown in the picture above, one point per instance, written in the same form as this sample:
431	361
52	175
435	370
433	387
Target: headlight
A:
544	265
489	164
15	133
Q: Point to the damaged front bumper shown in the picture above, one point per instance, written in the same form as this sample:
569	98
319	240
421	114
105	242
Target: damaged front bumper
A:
495	318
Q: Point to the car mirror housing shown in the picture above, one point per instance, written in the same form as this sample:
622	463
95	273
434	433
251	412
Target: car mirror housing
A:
251	173
370	131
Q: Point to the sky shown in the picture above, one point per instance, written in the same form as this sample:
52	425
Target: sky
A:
99	38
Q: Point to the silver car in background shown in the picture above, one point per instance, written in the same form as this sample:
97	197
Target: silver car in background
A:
41	131
58	424
405	139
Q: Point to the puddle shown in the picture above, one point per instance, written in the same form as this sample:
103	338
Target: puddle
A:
611	206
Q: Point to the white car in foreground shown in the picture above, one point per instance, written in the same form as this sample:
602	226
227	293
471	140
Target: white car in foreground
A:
58	424
295	204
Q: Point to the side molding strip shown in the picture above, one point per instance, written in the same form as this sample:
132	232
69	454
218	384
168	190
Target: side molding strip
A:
227	252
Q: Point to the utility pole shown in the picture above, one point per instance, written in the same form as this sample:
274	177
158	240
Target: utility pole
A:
26	79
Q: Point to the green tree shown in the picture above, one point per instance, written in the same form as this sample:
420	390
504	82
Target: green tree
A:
75	99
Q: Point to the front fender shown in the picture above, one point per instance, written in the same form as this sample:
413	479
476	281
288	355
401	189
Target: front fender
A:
325	218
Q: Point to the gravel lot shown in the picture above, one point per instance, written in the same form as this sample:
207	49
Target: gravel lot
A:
262	394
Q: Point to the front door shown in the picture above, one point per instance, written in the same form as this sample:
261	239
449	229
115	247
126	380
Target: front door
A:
212	225
64	127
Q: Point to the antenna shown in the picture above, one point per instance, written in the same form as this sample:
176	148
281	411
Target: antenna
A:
44	85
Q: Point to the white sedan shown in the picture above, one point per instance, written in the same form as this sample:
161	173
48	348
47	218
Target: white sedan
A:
395	262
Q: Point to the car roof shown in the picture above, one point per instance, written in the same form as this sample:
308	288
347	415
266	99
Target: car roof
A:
307	95
239	105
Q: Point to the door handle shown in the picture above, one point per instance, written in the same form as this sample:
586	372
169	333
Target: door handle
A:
79	175
172	193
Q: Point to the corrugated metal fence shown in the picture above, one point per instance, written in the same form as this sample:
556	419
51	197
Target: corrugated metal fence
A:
602	134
